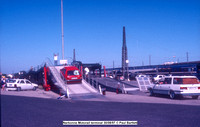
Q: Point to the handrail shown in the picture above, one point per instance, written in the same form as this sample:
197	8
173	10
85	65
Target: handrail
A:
57	76
50	64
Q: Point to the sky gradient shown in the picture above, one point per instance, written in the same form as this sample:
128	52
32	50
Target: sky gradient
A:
30	31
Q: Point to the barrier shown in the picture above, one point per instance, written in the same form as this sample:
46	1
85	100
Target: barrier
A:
143	83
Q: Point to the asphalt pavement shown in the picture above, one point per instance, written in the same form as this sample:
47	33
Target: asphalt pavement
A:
19	111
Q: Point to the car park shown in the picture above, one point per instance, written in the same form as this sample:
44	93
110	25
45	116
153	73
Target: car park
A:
20	84
177	85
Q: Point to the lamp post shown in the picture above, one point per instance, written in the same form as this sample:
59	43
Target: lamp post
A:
127	70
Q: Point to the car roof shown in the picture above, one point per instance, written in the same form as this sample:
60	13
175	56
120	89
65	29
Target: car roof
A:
180	76
71	68
18	79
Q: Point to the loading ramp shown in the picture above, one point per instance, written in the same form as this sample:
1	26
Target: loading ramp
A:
83	89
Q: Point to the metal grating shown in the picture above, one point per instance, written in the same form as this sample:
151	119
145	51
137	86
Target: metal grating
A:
143	83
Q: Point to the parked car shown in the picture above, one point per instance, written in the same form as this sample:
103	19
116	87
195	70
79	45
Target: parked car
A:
20	84
177	85
159	78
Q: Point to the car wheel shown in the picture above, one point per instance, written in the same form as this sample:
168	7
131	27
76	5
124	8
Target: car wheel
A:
18	88
151	92
172	94
195	97
34	88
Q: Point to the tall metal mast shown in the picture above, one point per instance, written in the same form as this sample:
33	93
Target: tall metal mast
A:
124	55
62	30
74	56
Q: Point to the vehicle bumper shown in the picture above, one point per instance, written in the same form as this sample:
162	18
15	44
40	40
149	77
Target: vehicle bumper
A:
11	88
187	94
74	81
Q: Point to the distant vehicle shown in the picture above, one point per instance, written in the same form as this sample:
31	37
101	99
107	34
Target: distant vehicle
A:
20	84
110	76
159	78
141	76
177	85
71	74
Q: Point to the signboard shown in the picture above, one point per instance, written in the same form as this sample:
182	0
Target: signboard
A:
55	57
63	62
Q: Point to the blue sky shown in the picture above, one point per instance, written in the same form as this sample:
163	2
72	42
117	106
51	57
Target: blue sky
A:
30	31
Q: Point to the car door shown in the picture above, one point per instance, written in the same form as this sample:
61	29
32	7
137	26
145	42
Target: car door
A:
28	84
22	84
165	86
156	89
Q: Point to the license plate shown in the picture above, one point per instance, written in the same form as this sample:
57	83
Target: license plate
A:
74	78
193	88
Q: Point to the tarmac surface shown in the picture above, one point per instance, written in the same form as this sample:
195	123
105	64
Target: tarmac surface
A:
43	109
136	97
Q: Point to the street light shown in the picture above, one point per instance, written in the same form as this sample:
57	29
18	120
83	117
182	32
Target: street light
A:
127	61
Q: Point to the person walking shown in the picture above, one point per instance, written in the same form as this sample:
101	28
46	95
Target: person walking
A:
3	82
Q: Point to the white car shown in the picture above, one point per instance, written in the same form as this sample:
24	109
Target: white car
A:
20	84
141	76
159	78
177	85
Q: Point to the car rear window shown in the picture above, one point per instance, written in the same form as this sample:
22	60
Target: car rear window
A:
186	81
11	81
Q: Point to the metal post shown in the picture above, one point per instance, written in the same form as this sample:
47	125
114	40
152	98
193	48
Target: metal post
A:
149	59
104	71
68	94
124	54
74	56
96	83
124	91
62	29
100	89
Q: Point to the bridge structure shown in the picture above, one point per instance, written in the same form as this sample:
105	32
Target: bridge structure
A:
183	68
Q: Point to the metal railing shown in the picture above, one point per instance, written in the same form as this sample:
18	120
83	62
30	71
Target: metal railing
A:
58	77
118	86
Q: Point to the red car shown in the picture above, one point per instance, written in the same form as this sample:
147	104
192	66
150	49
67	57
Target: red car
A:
71	74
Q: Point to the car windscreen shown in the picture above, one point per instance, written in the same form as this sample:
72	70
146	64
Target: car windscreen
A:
186	81
73	72
12	81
